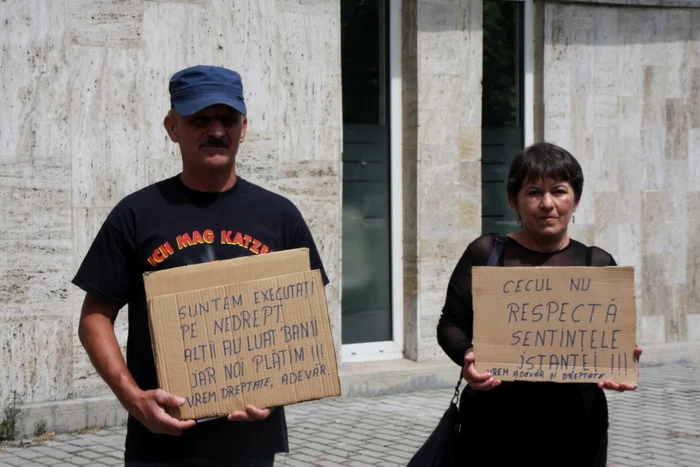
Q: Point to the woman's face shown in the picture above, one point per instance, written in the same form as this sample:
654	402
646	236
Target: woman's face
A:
545	206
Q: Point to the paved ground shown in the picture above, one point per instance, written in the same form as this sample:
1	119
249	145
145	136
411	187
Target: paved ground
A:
658	425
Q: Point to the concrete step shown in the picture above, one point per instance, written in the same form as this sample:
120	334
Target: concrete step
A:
381	378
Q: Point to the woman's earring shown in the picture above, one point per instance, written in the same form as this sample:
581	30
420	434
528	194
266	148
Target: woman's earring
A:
520	220
573	219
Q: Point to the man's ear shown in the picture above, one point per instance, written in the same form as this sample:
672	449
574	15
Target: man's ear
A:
243	129
171	127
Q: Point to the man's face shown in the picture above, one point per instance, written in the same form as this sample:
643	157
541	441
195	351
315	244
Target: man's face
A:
208	139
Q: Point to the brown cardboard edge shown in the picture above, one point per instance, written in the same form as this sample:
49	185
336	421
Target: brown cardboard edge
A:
301	253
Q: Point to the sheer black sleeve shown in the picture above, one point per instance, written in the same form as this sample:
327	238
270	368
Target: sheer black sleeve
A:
600	257
454	330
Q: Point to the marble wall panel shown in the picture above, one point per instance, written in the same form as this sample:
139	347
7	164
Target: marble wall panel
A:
654	90
693	179
313	187
161	168
35	117
629	141
677	193
238	35
602	167
439	260
645	155
693	326
653	221
629	247
36	356
431	350
694	92
693	207
652	157
470	143
35	200
258	162
473	62
308	86
629	203
441	38
108	23
440	189
676	129
428	323
106	121
318	7
194	2
652	329
34	271
442	70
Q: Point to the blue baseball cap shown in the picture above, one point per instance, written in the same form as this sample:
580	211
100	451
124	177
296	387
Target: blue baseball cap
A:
201	86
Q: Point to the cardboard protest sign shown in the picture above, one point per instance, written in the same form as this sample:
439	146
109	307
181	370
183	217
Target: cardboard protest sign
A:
251	330
562	324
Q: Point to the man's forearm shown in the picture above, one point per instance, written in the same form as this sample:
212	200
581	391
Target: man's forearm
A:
97	336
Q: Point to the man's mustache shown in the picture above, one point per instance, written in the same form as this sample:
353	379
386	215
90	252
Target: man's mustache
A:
216	142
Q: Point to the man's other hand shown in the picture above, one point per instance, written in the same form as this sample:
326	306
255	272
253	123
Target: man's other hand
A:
148	407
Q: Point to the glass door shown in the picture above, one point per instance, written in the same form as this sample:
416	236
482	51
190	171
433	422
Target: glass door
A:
507	104
368	318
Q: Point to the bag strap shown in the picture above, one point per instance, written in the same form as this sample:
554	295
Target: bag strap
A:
494	257
497	250
455	397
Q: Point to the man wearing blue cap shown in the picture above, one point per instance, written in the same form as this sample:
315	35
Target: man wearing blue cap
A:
205	213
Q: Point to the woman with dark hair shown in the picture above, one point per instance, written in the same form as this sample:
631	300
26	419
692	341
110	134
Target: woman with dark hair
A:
509	423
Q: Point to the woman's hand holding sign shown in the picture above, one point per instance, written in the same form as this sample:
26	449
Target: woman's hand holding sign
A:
476	380
621	387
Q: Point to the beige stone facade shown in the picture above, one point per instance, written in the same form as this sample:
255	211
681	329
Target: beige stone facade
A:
622	92
83	90
441	157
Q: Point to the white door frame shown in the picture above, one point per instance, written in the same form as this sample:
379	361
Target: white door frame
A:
528	71
393	349
529	84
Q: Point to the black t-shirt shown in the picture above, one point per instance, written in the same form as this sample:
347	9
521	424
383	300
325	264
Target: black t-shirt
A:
523	417
167	225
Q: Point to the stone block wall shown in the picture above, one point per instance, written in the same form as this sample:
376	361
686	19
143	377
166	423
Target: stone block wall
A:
84	89
442	52
622	93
